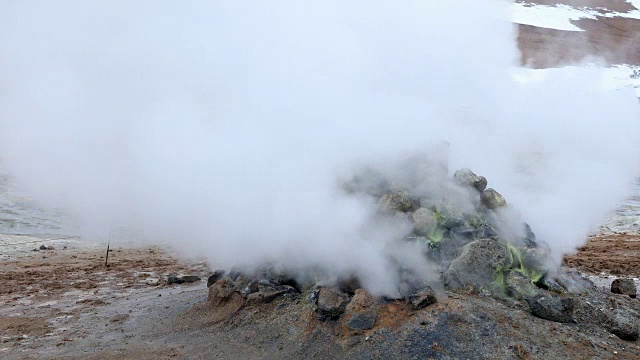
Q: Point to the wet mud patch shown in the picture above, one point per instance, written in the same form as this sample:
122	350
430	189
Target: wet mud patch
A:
617	254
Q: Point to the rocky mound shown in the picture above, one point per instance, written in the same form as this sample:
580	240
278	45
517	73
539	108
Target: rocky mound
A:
464	229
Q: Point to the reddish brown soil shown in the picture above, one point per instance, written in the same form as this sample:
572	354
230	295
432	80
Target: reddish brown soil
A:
620	6
612	40
55	272
612	254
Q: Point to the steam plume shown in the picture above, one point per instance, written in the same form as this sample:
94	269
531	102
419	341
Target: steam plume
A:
221	127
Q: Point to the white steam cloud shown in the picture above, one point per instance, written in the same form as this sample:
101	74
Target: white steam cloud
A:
222	126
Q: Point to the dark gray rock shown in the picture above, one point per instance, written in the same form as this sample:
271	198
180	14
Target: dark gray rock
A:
173	279
423	298
217	275
552	307
331	303
519	285
362	321
485	232
625	326
476	265
349	285
469	178
492	199
529	237
624	287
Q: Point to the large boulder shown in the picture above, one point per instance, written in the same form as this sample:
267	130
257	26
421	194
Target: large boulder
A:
492	199
469	178
624	287
477	265
399	200
552	307
448	215
424	221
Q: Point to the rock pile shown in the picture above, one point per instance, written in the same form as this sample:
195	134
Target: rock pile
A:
461	227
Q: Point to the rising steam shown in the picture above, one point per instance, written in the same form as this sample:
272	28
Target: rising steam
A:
222	127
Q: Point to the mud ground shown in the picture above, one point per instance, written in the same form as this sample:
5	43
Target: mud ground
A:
615	254
64	304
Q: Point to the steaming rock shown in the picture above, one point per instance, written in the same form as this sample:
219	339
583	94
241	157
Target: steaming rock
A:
552	307
469	178
520	285
397	200
477	264
448	215
529	237
574	283
492	199
625	326
367	181
624	287
217	275
331	303
424	221
349	285
423	298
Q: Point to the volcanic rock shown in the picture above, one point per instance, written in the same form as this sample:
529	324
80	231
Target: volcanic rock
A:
397	200
331	303
624	287
173	279
529	237
476	265
448	215
552	307
492	199
625	326
361	311
519	285
364	321
217	275
423	298
349	285
468	177
424	221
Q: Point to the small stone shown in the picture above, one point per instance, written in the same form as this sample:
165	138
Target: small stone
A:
492	199
363	321
423	298
468	177
624	287
552	307
331	303
173	279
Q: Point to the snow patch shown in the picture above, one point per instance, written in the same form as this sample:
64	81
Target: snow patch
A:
617	77
559	16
